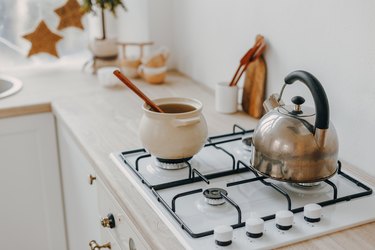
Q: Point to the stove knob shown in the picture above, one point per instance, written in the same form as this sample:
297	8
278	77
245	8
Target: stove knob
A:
284	220
254	227
312	212
223	235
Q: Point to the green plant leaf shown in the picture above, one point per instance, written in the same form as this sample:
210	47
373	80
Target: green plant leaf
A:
111	5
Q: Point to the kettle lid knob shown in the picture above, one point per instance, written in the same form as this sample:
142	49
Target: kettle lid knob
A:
298	101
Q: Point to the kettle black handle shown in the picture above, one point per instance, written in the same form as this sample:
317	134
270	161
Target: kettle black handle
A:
318	93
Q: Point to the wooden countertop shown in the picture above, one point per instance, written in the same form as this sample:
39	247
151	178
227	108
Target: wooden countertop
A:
42	85
105	120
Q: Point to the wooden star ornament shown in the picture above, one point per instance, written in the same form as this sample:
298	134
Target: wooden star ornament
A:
42	40
70	15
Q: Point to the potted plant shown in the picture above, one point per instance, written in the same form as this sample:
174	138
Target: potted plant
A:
103	47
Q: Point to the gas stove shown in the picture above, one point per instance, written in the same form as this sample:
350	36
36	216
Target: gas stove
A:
216	200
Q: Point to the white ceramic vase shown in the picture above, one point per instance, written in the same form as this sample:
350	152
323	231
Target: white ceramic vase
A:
104	48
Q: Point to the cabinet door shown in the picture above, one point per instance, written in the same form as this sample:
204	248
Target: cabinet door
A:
80	199
31	211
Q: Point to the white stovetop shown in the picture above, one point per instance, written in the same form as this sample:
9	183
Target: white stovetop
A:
251	197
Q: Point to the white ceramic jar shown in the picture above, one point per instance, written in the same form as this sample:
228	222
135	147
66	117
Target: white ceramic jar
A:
153	75
173	136
226	98
106	77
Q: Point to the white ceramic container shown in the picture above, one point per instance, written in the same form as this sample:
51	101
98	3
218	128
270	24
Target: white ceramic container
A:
129	67
153	75
226	98
107	78
173	136
104	48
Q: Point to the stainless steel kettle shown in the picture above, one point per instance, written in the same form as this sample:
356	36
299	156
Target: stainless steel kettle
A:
291	143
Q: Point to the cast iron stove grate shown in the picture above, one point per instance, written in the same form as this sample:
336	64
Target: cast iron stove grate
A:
237	167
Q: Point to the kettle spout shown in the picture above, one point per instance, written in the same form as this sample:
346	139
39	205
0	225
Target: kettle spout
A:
320	137
272	102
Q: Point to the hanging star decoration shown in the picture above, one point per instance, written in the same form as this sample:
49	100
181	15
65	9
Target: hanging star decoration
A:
42	40
70	15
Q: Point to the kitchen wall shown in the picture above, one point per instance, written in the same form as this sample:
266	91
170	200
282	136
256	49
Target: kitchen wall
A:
334	40
147	20
161	23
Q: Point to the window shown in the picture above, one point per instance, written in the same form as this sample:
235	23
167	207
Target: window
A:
20	17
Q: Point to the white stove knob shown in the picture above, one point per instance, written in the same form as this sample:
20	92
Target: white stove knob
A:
254	227
223	235
284	219
312	212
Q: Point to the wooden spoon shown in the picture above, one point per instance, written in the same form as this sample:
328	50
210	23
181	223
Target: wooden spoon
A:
137	91
245	60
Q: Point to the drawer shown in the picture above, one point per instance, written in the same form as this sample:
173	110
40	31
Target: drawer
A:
124	231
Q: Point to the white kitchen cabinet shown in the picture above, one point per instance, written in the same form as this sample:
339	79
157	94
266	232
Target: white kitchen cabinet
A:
80	197
86	205
31	211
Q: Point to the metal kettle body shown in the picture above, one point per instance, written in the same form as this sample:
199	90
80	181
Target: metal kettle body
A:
292	143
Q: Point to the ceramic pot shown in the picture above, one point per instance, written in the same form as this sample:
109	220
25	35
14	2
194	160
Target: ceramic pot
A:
104	48
129	66
173	136
153	75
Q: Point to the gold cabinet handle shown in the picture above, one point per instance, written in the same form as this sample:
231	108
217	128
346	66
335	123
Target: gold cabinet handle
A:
108	221
92	179
95	246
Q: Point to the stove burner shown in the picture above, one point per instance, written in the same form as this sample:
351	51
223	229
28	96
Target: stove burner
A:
306	185
308	189
171	164
173	161
213	196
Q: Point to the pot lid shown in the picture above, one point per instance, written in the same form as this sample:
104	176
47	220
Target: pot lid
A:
289	110
297	109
